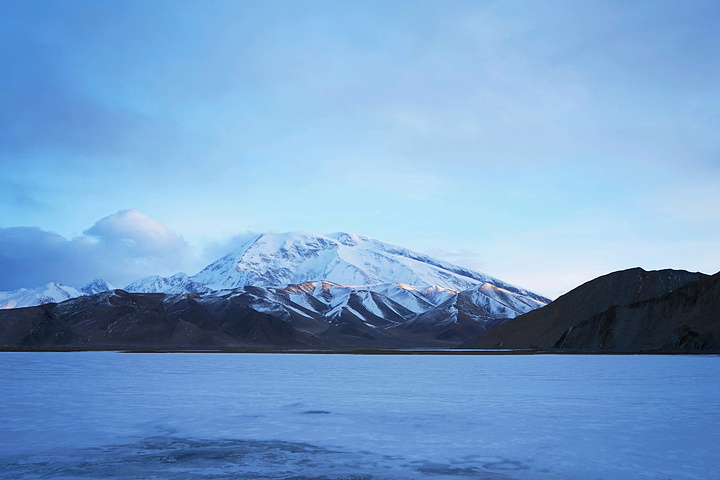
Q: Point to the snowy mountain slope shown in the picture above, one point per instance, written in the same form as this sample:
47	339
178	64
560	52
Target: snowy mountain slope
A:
329	300
470	312
50	293
461	314
417	299
96	286
499	302
29	297
178	283
279	260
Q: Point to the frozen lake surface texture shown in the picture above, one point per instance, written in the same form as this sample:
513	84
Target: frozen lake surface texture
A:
176	416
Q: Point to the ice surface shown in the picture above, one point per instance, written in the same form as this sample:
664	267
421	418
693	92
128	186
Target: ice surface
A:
173	416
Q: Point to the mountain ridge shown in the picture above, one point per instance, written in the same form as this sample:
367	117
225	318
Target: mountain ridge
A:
630	311
328	317
279	260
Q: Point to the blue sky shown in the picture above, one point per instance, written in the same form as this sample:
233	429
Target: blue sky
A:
545	143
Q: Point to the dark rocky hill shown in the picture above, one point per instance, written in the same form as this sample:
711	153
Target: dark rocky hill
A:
118	319
243	318
627	311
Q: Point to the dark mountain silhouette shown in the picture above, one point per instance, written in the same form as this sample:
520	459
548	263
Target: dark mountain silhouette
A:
627	311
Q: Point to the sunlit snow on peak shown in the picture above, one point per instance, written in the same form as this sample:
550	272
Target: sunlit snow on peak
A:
281	259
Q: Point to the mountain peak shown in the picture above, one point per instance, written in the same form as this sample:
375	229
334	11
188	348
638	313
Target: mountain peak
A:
96	286
281	259
335	265
49	293
348	239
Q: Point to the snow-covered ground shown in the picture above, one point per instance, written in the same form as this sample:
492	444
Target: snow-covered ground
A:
172	416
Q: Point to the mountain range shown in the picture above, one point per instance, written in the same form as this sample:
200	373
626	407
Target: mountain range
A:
345	291
329	289
281	260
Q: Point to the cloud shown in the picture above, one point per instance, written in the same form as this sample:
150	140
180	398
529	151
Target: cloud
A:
30	257
136	233
120	248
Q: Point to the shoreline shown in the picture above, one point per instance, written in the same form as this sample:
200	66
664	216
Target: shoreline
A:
349	351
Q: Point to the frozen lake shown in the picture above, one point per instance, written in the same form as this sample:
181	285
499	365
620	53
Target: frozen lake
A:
176	416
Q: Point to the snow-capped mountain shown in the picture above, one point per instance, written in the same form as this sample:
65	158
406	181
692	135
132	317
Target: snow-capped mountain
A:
463	313
28	297
178	283
349	276
279	260
96	286
338	286
50	293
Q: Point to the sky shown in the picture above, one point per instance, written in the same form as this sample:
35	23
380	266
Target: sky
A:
543	143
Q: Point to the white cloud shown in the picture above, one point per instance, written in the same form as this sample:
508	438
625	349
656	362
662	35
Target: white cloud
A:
134	231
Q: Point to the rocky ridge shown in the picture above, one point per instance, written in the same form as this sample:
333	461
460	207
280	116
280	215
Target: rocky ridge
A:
628	311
